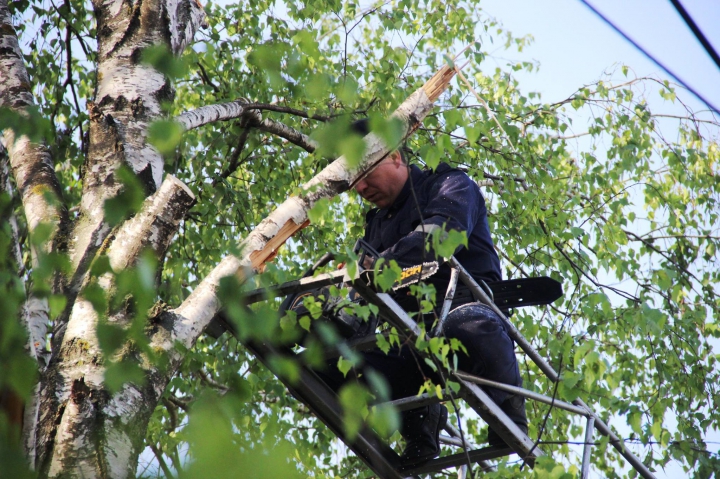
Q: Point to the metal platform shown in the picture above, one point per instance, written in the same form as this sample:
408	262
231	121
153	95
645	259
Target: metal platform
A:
375	452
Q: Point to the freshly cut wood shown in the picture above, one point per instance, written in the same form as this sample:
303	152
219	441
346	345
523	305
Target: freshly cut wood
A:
339	176
261	245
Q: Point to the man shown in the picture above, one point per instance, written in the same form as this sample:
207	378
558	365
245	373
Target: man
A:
410	204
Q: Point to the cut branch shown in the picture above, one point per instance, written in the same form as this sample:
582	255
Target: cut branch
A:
187	322
152	229
154	226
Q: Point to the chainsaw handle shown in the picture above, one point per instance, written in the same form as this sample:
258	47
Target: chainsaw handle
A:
367	251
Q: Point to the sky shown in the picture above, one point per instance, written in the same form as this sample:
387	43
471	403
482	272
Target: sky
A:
574	47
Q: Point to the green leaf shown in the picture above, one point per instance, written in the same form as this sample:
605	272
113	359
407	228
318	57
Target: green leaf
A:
319	211
305	322
128	201
160	57
30	122
165	135
384	419
119	373
391	130
285	367
354	401
111	337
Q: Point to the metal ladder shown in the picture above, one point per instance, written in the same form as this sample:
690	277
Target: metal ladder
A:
310	389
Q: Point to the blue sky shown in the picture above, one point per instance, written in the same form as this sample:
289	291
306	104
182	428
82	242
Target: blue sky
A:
574	46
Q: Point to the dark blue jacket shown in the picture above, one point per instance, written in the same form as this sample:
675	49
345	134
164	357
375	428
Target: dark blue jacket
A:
446	197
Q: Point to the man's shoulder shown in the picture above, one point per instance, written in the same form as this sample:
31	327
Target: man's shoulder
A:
445	171
443	168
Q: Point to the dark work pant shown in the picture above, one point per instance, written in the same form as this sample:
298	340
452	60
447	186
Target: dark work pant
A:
490	354
490	351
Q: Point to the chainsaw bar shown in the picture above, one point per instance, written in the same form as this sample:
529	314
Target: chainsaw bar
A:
413	274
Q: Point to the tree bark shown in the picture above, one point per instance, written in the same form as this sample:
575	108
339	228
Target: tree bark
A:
235	110
33	170
211	113
39	189
85	430
127	99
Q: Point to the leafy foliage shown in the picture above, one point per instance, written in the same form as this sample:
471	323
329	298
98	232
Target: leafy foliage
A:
611	196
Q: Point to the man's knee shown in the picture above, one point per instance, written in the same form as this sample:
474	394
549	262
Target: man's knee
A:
490	351
473	321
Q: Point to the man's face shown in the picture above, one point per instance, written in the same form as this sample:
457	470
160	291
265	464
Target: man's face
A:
382	186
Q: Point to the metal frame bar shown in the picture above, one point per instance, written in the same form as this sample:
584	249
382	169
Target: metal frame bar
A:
524	392
296	286
473	395
377	455
323	402
413	402
455	460
585	471
548	370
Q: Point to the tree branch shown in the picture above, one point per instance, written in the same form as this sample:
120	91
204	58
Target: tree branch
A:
172	412
234	162
163	465
284	131
154	226
242	109
205	377
211	113
287	109
189	320
181	403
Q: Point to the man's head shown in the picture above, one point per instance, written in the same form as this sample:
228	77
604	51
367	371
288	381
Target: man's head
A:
382	185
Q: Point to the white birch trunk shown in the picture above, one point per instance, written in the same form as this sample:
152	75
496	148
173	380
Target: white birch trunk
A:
94	433
127	100
83	430
34	173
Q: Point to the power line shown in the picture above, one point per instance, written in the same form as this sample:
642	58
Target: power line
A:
648	55
696	30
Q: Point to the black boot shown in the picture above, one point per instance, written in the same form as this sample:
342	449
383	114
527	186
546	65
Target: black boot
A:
421	429
514	407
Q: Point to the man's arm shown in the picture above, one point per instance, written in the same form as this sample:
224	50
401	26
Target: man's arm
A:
454	203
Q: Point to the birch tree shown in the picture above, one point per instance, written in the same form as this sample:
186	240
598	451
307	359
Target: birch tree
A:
155	153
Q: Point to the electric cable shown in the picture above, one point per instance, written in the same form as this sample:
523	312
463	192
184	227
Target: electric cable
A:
696	31
648	55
